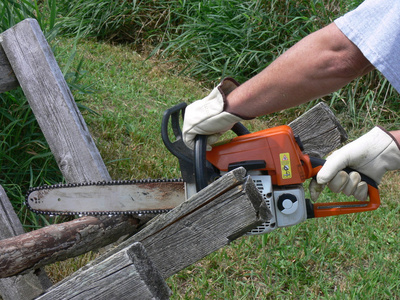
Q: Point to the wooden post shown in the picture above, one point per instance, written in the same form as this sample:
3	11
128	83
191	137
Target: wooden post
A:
55	243
52	103
208	221
129	274
7	77
319	130
211	219
21	287
28	54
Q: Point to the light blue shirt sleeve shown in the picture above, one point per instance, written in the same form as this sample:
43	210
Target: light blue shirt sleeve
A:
374	27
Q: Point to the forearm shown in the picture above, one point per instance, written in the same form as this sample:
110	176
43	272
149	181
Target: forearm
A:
319	64
396	135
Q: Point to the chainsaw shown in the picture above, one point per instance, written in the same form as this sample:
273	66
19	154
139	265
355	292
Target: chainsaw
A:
273	158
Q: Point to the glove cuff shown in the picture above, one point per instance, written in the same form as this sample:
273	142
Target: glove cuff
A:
388	133
226	86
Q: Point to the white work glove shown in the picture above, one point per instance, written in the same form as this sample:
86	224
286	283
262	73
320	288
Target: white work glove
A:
373	154
207	116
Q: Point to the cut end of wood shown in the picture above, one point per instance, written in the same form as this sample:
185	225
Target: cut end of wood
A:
148	272
262	212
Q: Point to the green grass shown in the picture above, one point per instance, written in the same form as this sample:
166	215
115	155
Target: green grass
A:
344	257
131	95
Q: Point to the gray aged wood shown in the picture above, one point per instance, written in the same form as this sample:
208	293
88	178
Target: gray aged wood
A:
43	83
129	274
208	221
319	130
22	287
52	103
8	81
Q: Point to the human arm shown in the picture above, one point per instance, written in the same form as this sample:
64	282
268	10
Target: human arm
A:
317	65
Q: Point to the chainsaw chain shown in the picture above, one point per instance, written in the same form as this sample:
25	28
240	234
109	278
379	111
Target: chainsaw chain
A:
100	183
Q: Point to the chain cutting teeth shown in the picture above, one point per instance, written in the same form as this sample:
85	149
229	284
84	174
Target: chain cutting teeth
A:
99	183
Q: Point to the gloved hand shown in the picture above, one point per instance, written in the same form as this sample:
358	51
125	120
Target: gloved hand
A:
207	116
373	154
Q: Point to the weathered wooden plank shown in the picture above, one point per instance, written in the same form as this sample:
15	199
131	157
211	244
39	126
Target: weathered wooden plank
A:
8	81
22	287
64	128
10	224
129	274
208	221
51	101
319	130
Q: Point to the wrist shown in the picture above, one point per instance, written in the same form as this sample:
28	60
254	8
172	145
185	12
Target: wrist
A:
394	134
226	87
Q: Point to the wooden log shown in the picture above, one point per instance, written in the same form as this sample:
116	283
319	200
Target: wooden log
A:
55	243
319	130
208	221
21	287
52	103
8	81
129	274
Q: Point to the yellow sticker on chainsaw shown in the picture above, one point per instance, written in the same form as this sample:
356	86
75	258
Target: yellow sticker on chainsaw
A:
286	168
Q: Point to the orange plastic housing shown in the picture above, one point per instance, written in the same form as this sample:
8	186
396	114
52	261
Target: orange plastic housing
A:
285	162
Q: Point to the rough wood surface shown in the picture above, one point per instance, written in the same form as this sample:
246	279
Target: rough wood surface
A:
8	81
22	287
52	103
319	130
129	274
64	128
208	221
55	243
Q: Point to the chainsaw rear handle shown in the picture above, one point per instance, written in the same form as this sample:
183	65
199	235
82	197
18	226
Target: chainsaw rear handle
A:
173	116
341	208
193	163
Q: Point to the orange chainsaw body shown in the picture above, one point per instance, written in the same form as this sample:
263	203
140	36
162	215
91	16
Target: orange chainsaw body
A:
284	160
285	163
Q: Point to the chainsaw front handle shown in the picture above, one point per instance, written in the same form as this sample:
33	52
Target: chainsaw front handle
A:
341	208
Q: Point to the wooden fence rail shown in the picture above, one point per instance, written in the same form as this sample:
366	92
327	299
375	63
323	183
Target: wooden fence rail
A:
211	219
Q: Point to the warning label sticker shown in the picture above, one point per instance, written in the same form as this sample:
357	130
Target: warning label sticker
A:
285	165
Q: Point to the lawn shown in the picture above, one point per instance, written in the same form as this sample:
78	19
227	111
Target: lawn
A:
103	48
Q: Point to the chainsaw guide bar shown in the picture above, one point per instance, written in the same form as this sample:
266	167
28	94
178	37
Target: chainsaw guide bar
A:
119	197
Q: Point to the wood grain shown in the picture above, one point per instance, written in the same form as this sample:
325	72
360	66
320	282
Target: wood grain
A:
22	287
208	221
319	130
8	81
52	103
129	274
